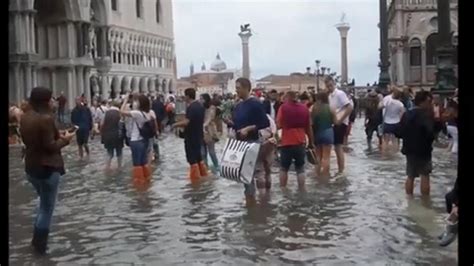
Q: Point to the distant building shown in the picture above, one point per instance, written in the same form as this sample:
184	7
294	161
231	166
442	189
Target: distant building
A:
99	48
218	79
412	35
295	81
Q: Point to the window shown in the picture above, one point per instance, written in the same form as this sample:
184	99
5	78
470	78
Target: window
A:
139	8
431	46
415	52
158	11
114	5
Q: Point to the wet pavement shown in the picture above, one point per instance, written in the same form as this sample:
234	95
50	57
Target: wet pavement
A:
362	218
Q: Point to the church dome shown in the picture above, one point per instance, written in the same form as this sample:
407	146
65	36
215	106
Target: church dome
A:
218	64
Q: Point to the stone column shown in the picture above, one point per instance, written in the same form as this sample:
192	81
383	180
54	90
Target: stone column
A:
152	88
35	77
28	80
53	81
51	40
423	64
16	81
400	64
343	29
80	80
26	31
87	85
104	86
70	86
245	36
33	34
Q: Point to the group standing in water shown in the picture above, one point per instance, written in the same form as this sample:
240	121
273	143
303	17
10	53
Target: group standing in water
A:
286	125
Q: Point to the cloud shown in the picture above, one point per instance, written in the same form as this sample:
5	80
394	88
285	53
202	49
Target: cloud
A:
288	35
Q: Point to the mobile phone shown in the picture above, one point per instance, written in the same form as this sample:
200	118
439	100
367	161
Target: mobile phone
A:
73	129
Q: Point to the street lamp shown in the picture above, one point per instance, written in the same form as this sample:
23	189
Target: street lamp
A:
445	77
323	70
384	76
317	74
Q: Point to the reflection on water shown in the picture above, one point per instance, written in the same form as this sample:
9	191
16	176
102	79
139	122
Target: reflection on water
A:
361	218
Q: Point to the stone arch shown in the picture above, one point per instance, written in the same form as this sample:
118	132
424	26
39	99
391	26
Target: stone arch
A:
415	52
99	14
431	46
51	11
144	85
135	84
125	85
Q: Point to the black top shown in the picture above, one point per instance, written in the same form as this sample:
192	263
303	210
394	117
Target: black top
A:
110	130
267	105
194	131
159	108
417	128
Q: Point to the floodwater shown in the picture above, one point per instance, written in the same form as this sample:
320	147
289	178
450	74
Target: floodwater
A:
362	218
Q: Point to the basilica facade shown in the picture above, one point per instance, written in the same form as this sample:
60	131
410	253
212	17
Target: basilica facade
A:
96	48
412	35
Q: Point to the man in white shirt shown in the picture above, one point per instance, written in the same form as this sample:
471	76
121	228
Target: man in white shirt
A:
393	110
339	101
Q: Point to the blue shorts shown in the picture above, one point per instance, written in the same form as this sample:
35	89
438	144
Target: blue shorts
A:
290	153
324	137
390	128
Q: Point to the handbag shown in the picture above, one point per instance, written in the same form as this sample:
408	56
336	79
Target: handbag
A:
310	156
238	160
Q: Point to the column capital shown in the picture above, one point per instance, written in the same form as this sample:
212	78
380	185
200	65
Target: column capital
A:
245	36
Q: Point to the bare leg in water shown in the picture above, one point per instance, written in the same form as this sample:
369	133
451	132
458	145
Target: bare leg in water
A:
409	185
319	154
340	158
325	160
425	185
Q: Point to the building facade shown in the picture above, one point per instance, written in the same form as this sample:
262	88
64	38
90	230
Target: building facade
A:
412	35
95	48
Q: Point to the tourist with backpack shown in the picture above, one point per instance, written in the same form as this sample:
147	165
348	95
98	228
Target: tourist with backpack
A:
143	129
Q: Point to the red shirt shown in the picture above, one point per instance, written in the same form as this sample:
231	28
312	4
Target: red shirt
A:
291	136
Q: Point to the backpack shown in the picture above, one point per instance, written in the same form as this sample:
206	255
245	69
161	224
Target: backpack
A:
148	130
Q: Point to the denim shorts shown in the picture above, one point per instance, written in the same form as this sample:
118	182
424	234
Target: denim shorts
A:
325	137
290	153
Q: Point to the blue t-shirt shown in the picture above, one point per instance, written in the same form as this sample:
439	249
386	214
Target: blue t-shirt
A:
247	113
194	130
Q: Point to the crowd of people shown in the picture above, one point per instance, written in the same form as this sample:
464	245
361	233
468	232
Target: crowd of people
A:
291	128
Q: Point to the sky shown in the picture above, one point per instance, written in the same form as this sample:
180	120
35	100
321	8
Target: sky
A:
289	35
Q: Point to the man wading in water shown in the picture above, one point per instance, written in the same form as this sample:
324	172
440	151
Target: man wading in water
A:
193	125
339	101
248	118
